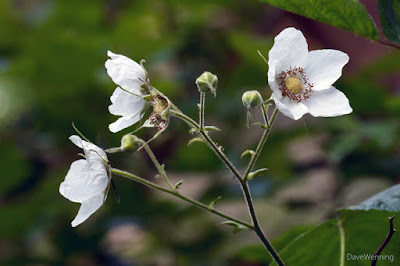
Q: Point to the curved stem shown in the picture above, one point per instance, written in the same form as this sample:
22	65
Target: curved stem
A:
388	44
160	168
209	142
175	193
242	180
257	228
260	145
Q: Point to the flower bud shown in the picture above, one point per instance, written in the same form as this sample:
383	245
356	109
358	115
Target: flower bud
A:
207	82
128	143
251	99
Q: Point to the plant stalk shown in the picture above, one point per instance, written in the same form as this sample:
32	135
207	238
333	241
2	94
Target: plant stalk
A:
175	193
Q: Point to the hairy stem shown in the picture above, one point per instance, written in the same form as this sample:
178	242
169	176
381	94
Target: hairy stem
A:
202	109
260	145
209	142
242	180
160	168
176	194
257	228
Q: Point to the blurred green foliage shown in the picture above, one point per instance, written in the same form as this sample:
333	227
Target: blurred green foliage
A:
52	56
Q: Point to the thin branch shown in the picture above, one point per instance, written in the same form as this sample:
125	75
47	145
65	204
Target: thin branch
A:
160	168
388	44
202	109
209	142
257	228
385	242
175	193
260	146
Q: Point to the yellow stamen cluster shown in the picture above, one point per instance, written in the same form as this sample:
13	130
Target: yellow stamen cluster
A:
294	85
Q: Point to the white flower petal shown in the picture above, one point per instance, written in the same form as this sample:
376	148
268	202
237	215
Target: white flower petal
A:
87	208
324	67
83	182
92	152
124	122
125	72
125	103
290	49
328	103
76	140
289	107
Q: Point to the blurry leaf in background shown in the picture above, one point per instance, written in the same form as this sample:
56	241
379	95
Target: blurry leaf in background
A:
349	15
388	200
389	11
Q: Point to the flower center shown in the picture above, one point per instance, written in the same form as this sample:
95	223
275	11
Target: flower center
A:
294	84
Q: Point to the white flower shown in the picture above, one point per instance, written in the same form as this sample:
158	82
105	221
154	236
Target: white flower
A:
87	181
126	102
301	81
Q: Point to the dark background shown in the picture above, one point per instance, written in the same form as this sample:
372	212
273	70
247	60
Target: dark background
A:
52	72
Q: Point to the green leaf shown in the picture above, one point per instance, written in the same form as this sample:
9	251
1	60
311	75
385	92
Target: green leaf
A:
208	128
193	130
212	204
236	226
389	11
246	152
195	140
349	15
388	200
178	184
353	233
256	173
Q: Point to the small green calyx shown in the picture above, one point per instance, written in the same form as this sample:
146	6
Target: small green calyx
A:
207	82
251	99
129	143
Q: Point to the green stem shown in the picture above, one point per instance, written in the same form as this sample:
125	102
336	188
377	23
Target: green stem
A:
257	228
260	146
160	168
209	142
243	181
202	109
175	193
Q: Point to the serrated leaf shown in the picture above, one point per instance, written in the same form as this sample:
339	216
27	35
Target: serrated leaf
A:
388	200
349	15
256	173
236	226
389	12
195	140
212	204
246	152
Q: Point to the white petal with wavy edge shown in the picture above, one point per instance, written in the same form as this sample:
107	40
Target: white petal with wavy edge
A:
290	108
124	122
88	207
290	49
328	103
125	103
125	72
324	67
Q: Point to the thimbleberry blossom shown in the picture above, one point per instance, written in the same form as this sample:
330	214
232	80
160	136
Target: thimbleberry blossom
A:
87	181
301	81
127	99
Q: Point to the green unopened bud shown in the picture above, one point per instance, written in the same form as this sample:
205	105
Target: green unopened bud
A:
251	99
207	82
128	143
